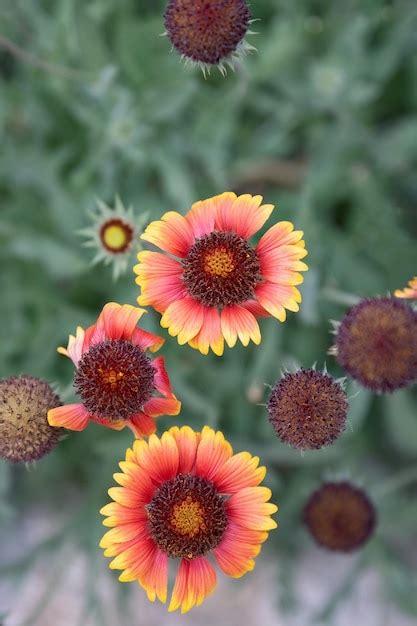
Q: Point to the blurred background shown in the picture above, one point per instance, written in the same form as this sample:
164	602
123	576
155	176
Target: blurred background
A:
322	121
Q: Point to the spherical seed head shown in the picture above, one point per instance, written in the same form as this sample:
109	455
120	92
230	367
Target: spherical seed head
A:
207	31
340	516
308	409
25	434
221	269
376	344
187	517
114	379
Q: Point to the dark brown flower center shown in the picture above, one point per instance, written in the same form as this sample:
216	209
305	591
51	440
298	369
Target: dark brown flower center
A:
116	236
187	517
114	379
206	30
221	269
308	409
377	344
25	434
340	516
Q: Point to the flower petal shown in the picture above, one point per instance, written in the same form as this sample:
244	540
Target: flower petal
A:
155	265
161	292
158	457
201	217
146	340
162	382
141	425
282	265
240	471
276	298
172	233
184	319
74	349
236	321
71	416
212	452
244	217
155	580
117	321
117	425
250	508
162	406
137	559
195	580
408	292
210	335
187	447
234	557
281	234
235	554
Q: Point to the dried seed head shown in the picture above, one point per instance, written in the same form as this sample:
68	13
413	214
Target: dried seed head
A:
376	344
25	434
207	31
308	409
340	516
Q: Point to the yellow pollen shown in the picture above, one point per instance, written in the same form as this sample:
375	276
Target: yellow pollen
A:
115	237
219	263
188	518
110	377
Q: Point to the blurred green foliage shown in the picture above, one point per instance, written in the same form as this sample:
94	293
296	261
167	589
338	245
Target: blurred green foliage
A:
322	121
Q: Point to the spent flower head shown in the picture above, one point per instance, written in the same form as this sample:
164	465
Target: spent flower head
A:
376	344
308	409
25	434
340	516
209	33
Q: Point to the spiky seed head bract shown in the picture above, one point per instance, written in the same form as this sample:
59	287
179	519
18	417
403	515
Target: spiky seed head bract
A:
114	233
308	409
340	516
209	32
376	344
25	434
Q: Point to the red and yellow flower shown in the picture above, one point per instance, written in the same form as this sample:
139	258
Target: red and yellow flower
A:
118	383
185	496
212	283
408	292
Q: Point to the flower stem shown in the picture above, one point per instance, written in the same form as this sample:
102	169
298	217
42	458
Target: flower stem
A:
398	481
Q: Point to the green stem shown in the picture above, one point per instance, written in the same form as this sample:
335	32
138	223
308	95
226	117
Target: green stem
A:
398	481
340	297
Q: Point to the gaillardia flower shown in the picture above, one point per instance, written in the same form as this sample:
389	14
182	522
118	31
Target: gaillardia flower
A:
408	292
308	409
118	383
114	235
376	344
213	282
25	434
186	496
209	32
340	516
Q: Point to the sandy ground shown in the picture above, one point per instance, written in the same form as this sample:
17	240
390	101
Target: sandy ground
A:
55	591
